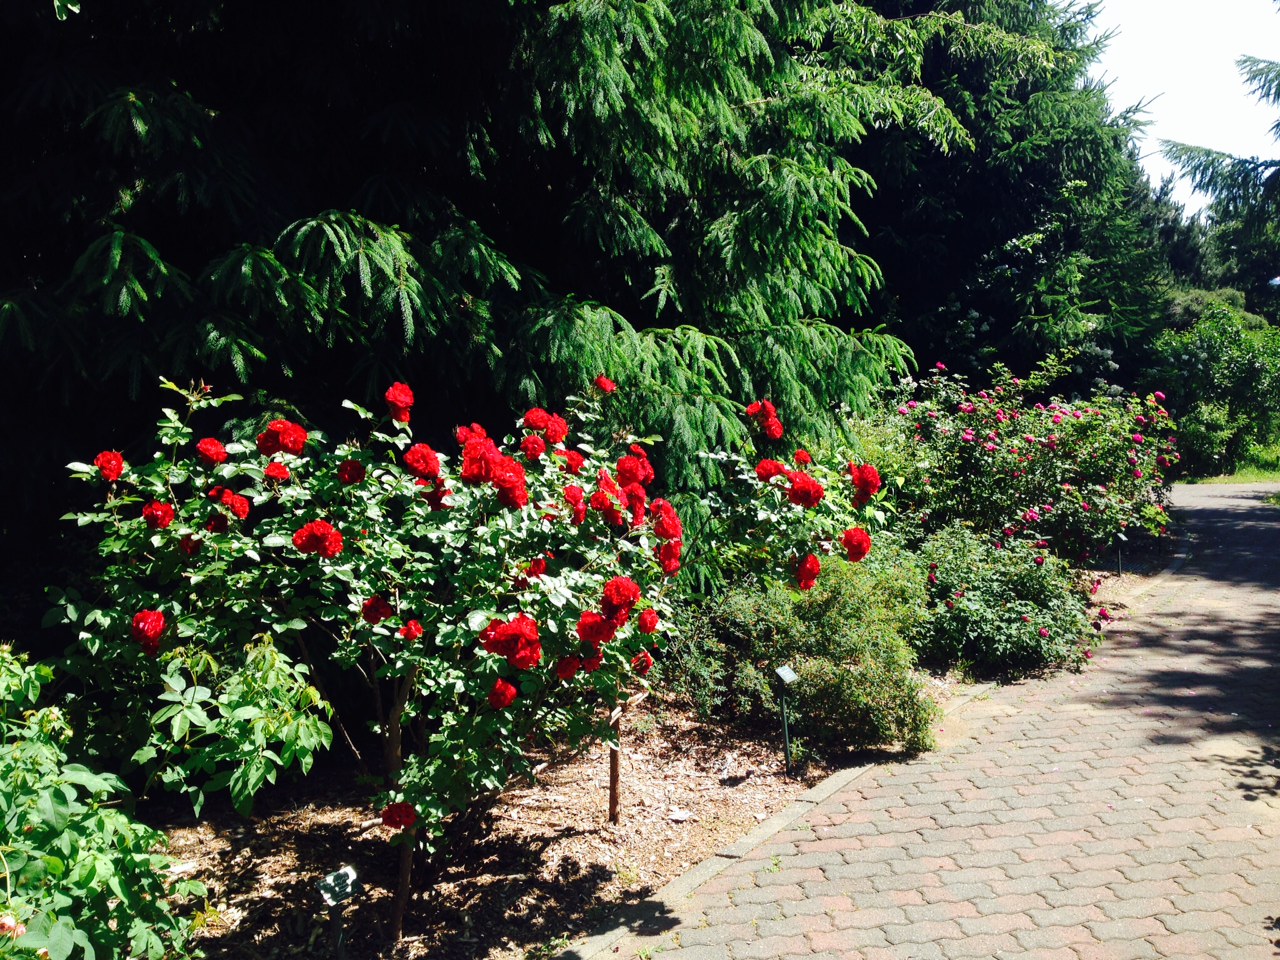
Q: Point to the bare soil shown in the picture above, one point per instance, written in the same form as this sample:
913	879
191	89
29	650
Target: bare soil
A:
543	865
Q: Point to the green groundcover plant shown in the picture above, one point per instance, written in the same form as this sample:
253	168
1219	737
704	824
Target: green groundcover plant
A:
78	876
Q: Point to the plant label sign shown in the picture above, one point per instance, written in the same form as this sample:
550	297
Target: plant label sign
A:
337	886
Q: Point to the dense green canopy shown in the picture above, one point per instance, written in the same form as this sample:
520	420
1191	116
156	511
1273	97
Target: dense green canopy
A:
708	200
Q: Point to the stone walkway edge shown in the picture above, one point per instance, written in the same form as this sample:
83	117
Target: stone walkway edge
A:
600	944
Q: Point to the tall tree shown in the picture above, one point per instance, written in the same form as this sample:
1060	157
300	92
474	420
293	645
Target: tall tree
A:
1245	210
1031	240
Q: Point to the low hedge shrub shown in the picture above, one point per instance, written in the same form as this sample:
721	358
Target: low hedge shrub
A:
999	607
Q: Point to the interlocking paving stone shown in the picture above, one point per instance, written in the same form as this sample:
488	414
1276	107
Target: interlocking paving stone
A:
1128	812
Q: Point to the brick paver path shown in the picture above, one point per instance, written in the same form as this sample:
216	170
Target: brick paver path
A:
1129	811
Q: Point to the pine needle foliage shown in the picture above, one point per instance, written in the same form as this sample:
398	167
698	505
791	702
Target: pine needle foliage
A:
499	199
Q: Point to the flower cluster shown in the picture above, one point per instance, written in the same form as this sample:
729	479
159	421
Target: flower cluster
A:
766	417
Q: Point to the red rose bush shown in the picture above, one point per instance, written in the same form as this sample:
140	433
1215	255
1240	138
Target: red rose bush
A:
479	596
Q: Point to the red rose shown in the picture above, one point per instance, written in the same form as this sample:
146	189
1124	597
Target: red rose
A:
766	470
473	432
766	417
148	625
110	464
536	568
189	545
573	460
411	631
648	621
666	523
595	630
804	490
157	515
399	399
537	419
533	447
857	543
281	435
634	497
803	457
276	471
218	523
238	505
669	557
605	384
866	482
509	478
375	610
211	451
641	663
557	430
605	504
421	461
318	537
807	572
399	816
631	470
502	695
478	455
620	594
567	667
592	663
351	472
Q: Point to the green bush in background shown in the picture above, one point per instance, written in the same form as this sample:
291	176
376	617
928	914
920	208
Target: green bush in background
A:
999	609
1221	371
846	640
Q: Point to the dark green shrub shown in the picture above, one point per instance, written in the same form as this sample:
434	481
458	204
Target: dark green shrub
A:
846	639
999	609
1222	377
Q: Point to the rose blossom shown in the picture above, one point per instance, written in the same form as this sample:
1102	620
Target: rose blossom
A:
807	572
110	464
351	472
319	537
502	695
281	435
147	627
857	544
157	515
399	816
399	399
421	461
375	610
211	452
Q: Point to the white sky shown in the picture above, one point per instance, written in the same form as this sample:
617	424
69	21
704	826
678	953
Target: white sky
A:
1180	55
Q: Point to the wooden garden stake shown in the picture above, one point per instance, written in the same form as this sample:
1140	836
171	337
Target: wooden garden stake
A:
615	757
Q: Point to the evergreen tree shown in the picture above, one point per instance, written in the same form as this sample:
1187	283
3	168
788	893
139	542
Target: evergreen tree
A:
1033	239
1245	210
